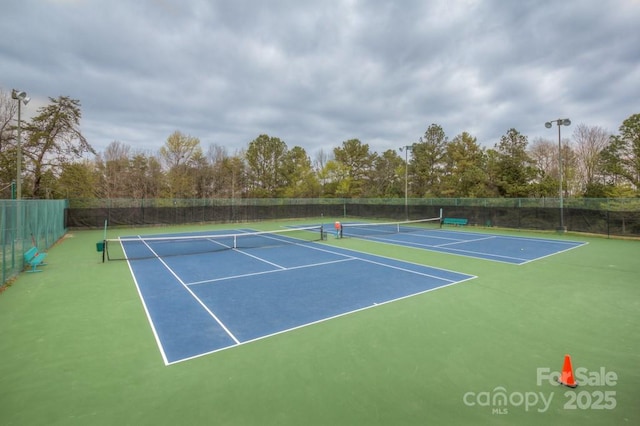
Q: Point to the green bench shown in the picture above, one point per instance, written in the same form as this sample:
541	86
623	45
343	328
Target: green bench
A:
454	221
34	259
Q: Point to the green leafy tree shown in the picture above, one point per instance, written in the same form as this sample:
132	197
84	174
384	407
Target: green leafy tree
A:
610	166
300	179
357	161
388	176
202	175
428	162
621	158
181	156
515	169
493	172
265	156
77	180
53	139
337	182
464	172
228	173
145	177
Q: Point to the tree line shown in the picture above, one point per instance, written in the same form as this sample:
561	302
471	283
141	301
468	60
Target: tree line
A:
60	163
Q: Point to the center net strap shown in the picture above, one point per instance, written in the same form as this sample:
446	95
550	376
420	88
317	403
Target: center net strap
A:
131	248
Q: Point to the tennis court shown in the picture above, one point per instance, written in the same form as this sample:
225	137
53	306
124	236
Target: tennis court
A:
204	292
78	347
208	292
422	234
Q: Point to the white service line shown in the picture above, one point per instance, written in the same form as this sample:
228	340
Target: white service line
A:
493	237
231	277
224	327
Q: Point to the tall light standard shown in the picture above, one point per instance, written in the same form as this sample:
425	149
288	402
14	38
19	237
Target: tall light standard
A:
560	122
21	97
406	150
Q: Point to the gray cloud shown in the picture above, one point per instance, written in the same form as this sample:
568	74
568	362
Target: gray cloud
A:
318	73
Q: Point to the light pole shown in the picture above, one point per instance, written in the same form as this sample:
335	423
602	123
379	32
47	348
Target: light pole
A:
406	150
560	122
21	97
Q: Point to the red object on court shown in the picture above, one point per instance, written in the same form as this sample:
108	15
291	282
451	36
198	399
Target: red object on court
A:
566	377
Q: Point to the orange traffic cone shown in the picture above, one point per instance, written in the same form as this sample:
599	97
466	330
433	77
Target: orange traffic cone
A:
566	377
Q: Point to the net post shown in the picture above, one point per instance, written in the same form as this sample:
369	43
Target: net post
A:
104	241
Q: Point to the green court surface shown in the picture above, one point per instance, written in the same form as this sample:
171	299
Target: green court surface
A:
76	348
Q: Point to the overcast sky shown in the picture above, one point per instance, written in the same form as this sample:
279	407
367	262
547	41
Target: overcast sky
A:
318	73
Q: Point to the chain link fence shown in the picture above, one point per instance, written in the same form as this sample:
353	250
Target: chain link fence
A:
28	223
620	217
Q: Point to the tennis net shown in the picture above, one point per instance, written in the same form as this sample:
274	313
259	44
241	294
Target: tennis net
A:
374	229
147	247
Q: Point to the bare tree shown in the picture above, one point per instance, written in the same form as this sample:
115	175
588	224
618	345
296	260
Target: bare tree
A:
113	170
8	109
8	113
216	153
545	154
589	143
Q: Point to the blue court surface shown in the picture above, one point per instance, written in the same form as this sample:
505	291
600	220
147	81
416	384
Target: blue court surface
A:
499	248
206	302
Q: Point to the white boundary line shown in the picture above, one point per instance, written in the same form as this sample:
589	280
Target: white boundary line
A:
397	260
553	254
493	237
312	246
375	305
480	255
281	269
260	259
224	327
515	237
347	258
435	250
386	257
146	311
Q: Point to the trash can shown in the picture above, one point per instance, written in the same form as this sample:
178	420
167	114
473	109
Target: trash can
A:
100	246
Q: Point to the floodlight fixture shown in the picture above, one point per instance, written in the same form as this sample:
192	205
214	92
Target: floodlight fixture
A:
20	96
